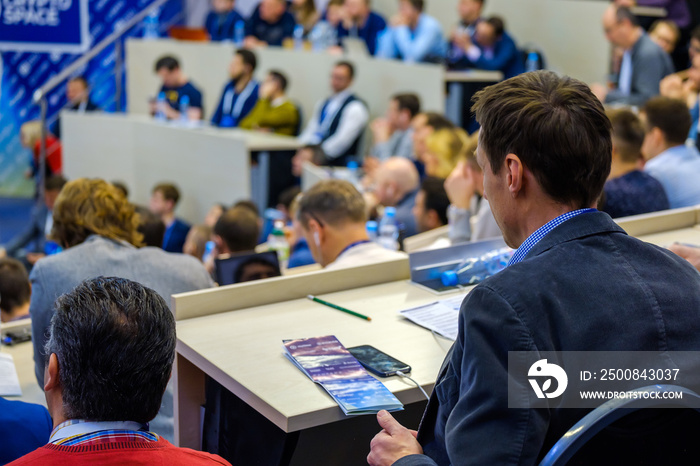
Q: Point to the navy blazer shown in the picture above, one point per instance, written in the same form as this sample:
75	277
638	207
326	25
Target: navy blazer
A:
33	234
506	58
586	286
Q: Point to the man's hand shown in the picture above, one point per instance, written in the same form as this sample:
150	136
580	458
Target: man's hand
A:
3	253
393	442
462	40
672	86
398	20
381	130
461	185
689	253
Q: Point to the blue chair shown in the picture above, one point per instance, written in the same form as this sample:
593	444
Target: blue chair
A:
609	412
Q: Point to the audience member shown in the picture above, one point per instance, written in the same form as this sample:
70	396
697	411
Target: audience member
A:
665	34
544	148
490	48
110	352
241	94
393	134
78	96
644	64
299	251
675	87
30	137
222	19
629	190
121	186
424	125
469	16
273	112
305	14
196	241
15	290
270	24
335	13
30	244
333	217
412	36
469	215
164	199
443	149
285	201
24	427
430	209
361	22
98	229
312	153
175	86
669	160
338	123
397	184
151	226
237	231
213	214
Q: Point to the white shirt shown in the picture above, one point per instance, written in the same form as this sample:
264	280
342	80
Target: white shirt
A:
364	254
352	122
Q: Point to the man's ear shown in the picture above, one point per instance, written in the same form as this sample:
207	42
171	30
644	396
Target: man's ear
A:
515	172
51	374
433	219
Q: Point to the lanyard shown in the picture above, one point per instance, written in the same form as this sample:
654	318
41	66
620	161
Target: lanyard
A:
352	245
235	109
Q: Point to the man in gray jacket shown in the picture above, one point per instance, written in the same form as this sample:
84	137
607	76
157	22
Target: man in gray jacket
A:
644	64
98	228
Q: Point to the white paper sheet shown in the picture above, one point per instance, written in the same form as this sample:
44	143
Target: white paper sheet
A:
442	316
9	382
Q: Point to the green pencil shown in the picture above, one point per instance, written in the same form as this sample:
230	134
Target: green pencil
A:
339	308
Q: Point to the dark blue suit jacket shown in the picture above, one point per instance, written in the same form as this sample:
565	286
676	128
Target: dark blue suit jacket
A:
33	234
24	427
586	286
224	30
506	58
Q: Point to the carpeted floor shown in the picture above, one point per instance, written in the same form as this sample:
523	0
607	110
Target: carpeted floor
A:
15	213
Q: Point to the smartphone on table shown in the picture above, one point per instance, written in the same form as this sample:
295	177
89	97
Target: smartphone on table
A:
378	362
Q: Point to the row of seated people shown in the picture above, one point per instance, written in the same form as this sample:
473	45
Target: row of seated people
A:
543	204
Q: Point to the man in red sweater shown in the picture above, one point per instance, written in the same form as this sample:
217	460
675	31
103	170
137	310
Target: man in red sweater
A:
110	353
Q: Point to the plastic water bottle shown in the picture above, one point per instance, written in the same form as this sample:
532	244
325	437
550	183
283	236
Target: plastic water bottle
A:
160	107
476	269
298	37
276	241
239	33
151	27
372	230
389	230
532	62
354	173
318	36
331	36
184	110
208	250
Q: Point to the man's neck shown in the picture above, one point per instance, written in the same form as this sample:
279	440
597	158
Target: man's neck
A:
345	237
470	20
241	83
361	19
414	24
619	169
168	218
538	214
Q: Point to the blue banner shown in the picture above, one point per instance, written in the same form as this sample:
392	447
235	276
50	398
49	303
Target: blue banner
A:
44	25
22	73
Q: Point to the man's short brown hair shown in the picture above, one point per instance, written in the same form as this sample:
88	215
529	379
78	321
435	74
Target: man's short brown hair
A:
169	192
627	134
556	126
239	229
671	116
335	202
14	285
87	207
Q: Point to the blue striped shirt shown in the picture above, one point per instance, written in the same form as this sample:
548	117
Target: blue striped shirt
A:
541	232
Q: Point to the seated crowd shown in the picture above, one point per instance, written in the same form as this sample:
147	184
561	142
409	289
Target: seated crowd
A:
94	272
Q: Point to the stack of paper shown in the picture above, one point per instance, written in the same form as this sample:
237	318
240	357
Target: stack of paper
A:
9	382
326	361
441	316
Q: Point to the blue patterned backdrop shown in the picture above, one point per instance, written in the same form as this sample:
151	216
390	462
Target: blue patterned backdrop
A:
22	73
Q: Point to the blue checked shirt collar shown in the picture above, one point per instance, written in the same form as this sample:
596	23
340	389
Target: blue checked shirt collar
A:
541	232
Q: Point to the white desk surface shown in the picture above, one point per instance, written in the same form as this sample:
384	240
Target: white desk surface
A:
243	349
23	355
473	76
255	140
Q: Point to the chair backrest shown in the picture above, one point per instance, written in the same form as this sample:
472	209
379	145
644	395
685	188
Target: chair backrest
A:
611	411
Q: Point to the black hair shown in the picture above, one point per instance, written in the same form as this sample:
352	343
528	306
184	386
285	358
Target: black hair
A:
248	58
167	62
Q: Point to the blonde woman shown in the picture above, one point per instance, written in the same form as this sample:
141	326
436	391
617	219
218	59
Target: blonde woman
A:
305	14
444	148
30	137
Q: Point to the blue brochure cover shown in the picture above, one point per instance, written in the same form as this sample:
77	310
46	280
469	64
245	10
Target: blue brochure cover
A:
326	361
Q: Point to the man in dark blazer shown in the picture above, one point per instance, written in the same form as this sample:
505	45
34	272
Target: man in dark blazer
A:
78	95
643	63
577	282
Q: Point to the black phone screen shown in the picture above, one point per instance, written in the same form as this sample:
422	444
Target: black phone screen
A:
378	362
